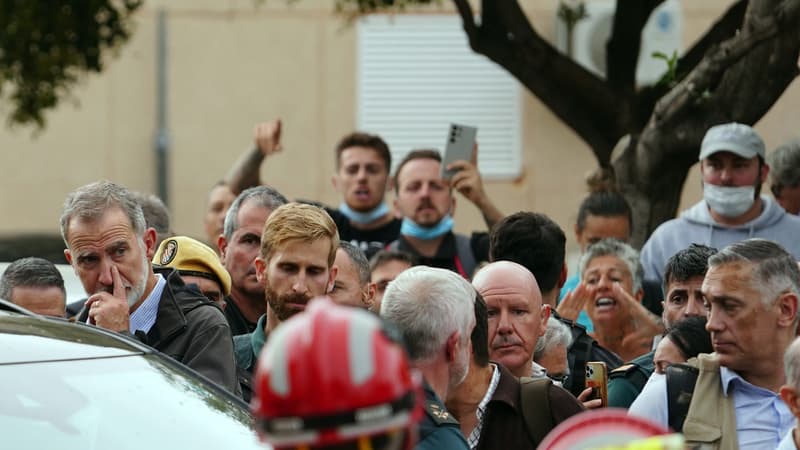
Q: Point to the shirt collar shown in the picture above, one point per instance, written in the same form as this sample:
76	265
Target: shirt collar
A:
489	392
729	379
145	315
537	370
259	336
475	434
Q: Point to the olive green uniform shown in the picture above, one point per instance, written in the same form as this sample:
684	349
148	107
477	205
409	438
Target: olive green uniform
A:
438	429
627	381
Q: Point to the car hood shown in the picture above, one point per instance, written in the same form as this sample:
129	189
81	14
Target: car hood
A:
30	339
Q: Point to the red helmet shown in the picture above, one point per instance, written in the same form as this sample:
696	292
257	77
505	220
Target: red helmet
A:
331	375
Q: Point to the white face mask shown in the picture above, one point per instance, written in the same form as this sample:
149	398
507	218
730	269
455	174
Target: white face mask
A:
729	201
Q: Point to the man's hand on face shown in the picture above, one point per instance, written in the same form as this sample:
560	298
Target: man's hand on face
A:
267	137
110	311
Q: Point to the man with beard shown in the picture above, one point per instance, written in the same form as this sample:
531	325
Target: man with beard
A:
426	202
733	169
239	245
295	265
109	247
363	168
433	308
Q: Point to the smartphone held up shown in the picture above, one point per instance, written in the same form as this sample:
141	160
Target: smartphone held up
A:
459	146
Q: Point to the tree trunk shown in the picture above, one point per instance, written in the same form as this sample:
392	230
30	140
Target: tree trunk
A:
749	59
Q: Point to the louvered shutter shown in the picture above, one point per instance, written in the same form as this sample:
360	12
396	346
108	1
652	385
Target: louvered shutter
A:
417	74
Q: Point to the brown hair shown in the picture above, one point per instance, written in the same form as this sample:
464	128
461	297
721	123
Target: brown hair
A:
372	141
425	153
298	222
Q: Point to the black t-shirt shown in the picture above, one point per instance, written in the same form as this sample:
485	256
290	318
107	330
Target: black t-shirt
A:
236	320
447	255
370	241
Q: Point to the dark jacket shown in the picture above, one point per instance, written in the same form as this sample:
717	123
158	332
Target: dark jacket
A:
503	424
626	382
192	330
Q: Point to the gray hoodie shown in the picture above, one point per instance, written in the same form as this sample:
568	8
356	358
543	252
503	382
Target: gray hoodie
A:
695	225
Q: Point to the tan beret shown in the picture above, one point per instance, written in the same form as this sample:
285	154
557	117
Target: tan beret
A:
192	257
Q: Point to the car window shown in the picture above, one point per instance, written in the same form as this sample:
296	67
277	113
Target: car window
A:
130	402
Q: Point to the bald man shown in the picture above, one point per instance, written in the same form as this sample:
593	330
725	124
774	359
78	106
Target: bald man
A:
517	317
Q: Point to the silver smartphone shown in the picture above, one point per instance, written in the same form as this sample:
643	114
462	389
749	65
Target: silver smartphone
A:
460	142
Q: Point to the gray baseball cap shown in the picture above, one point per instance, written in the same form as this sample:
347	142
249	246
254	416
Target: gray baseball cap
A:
732	137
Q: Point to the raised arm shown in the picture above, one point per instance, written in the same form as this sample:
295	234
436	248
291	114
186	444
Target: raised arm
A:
467	181
246	170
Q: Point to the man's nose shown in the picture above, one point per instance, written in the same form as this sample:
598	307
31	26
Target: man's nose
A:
726	176
714	323
105	278
299	284
504	324
694	307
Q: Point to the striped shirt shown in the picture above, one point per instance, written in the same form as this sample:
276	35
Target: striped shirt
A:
145	315
475	435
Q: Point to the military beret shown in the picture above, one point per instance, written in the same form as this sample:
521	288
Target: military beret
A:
192	257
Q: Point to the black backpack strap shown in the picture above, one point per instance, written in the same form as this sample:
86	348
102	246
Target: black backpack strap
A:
465	254
579	353
681	379
535	405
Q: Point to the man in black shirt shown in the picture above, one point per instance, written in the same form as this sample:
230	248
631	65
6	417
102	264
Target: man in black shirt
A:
426	201
363	164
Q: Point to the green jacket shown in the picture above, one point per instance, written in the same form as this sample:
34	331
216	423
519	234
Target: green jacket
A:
438	429
627	381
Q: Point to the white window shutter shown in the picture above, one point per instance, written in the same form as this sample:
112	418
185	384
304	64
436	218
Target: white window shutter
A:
417	75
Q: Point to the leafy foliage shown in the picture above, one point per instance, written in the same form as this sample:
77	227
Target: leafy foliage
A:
670	77
351	9
46	45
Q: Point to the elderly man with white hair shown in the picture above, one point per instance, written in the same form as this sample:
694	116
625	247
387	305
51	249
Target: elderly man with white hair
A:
434	311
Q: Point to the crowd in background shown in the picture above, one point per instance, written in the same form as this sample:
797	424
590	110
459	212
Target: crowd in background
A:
696	331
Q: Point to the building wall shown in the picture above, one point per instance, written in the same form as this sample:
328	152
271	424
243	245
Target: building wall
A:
232	64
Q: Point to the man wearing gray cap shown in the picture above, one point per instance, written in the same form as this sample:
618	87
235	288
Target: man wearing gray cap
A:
733	168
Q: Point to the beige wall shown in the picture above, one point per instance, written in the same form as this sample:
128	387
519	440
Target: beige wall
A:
232	64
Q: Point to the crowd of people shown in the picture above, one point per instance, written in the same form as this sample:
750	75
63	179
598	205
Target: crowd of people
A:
373	326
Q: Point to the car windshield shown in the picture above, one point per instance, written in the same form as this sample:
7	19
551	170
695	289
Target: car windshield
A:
130	402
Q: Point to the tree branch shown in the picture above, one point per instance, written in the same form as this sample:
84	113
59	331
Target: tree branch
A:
706	75
583	101
468	20
723	29
624	44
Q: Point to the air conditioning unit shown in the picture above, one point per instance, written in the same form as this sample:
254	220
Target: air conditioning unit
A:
662	33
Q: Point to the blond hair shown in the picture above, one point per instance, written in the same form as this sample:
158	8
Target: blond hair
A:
298	222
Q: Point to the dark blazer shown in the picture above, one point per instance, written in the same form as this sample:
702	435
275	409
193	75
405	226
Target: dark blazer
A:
192	330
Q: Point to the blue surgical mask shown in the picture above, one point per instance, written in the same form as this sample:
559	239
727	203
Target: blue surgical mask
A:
411	228
729	201
364	217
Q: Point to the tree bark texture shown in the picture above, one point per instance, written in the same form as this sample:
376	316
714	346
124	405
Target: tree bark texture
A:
735	72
